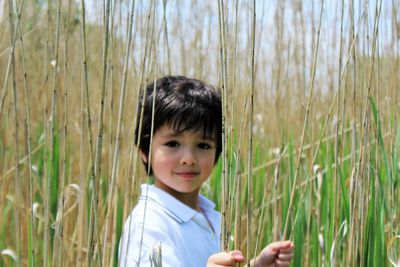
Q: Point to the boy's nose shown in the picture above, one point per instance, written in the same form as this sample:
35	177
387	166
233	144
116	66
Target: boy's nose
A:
188	157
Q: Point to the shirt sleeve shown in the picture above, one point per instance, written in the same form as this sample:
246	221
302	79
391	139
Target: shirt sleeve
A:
135	251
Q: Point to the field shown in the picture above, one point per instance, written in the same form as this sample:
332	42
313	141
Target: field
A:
311	105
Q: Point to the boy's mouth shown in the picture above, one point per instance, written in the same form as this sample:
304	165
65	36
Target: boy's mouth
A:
187	175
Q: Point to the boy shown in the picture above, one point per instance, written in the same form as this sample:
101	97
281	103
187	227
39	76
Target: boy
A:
185	145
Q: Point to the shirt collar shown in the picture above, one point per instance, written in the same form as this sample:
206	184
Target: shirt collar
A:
173	206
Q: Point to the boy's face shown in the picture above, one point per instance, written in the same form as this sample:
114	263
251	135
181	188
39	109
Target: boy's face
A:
181	162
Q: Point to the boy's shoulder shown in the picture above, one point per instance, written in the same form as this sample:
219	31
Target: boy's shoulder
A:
148	210
158	207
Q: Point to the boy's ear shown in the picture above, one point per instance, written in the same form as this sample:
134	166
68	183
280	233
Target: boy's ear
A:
143	156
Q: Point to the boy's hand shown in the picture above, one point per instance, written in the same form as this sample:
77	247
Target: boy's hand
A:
225	259
275	254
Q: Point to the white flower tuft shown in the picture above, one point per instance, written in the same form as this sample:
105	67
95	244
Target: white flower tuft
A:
275	152
9	252
259	117
316	168
321	242
35	207
74	187
35	168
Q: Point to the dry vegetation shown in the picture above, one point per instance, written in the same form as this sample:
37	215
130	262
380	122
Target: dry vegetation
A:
311	109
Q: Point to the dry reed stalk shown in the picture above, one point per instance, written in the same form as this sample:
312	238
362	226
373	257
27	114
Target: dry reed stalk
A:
357	170
51	125
46	142
364	152
234	173
300	56
114	235
13	37
32	261
275	208
82	183
397	55
340	120
250	136
347	261
225	185
238	182
85	83
148	168
110	84
303	59
166	36
106	225
133	161
233	76
263	206
85	106
58	238
279	21
47	41
153	56
17	178
118	133
151	47
94	181
311	89
310	206
395	96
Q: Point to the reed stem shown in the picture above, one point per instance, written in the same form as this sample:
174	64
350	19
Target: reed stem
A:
311	89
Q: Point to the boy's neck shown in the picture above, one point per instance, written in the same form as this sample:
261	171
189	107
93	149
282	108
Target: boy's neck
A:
190	199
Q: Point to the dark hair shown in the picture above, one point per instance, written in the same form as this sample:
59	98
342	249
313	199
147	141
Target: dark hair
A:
182	103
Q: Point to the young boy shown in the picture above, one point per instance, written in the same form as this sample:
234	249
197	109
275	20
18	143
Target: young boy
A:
172	214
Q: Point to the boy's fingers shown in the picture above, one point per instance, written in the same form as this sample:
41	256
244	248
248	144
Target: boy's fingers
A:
222	258
237	255
281	263
280	246
285	257
226	258
286	250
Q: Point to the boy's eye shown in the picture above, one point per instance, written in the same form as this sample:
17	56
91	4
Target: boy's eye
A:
204	146
172	144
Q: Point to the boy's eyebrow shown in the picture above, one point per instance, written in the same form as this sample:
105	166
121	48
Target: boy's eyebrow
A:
173	134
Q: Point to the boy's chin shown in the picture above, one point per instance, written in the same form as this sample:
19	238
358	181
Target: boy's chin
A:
178	190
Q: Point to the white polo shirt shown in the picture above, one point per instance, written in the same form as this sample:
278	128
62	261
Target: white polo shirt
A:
187	239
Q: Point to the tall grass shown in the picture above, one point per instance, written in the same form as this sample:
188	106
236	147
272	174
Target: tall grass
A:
311	123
